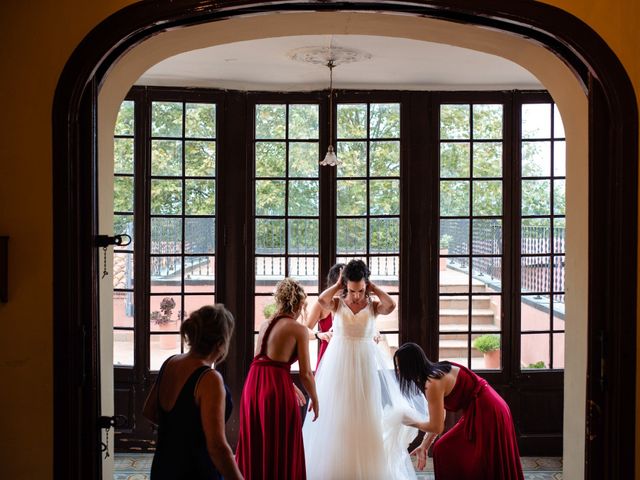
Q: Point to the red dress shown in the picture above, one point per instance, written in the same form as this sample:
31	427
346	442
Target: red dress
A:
270	440
324	325
482	445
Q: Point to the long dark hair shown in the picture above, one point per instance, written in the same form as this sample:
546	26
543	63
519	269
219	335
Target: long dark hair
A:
334	273
413	368
355	271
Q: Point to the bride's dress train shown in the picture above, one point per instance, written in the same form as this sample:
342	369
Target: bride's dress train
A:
359	434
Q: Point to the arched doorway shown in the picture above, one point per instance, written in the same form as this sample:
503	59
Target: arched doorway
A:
85	107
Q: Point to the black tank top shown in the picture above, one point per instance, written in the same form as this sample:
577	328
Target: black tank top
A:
181	451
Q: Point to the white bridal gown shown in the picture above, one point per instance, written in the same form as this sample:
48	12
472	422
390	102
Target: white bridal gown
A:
358	433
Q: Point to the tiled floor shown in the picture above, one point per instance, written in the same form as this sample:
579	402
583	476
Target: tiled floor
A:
136	466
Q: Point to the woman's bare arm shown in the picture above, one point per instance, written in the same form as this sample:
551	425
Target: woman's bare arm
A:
306	374
386	305
326	300
434	391
211	398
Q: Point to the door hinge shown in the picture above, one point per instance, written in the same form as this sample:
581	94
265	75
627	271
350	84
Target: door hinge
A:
115	421
121	240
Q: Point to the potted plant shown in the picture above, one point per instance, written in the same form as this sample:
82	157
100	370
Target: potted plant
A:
163	319
445	240
538	364
268	310
489	345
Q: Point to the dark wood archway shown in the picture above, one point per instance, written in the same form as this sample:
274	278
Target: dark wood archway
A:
613	158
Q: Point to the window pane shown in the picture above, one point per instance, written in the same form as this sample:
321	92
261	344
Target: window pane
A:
352	197
534	313
558	350
304	236
270	121
536	159
536	120
384	159
558	125
385	120
486	313
352	121
165	274
161	347
123	305
122	348
270	236
536	197
455	281
487	197
487	237
200	120
454	159
269	271
536	235
200	197
534	351
487	159
384	197
454	315
306	271
123	155
487	122
351	236
454	236
166	119
166	197
454	122
123	194
559	197
385	272
303	121
166	313
199	235
559	235
270	197
303	197
194	302
487	274
270	159
124	224
535	274
454	198
199	274
166	235
353	156
558	273
166	158
559	159
125	120
200	159
384	235
454	349
303	159
486	352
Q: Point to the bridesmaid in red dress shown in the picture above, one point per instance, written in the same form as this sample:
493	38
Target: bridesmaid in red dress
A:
270	442
323	318
482	445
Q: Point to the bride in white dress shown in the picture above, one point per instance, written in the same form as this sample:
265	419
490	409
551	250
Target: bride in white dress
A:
358	433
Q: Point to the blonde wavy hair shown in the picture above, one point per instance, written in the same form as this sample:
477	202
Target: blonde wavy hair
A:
289	297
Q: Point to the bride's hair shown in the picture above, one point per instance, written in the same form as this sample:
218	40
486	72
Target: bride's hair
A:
355	271
289	297
414	368
334	273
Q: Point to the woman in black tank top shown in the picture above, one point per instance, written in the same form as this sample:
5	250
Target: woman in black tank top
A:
190	404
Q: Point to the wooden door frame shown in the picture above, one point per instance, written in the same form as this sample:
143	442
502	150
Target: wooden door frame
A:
613	158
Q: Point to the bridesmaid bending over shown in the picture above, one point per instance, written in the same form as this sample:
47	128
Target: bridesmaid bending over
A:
482	445
270	442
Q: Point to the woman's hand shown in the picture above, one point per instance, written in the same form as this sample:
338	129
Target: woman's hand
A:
421	455
313	406
324	336
302	400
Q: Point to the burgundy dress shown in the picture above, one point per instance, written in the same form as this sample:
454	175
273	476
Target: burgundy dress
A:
482	445
324	325
270	440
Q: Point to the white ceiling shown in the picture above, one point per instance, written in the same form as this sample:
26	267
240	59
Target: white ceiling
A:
395	63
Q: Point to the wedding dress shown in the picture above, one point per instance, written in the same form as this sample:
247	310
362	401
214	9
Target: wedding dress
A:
358	433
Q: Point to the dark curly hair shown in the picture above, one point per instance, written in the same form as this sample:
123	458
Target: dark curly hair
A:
354	271
207	329
334	272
